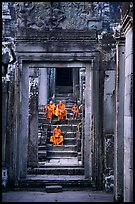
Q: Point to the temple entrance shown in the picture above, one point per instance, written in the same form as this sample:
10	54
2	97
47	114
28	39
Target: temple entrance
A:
72	68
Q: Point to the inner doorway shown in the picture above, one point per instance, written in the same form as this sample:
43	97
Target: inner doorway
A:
64	77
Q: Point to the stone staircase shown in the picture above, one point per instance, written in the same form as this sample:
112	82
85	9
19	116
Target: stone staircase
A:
69	150
58	164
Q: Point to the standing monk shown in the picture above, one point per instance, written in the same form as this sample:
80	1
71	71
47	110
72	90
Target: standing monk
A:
61	111
50	110
56	138
75	111
45	110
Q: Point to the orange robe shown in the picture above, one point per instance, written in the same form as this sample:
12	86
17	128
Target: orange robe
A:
75	111
50	111
61	111
56	138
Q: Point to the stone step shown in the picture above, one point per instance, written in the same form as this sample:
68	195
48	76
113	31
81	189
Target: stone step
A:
57	171
64	90
53	189
41	181
56	154
65	127
46	123
57	147
64	94
43	156
68	95
62	162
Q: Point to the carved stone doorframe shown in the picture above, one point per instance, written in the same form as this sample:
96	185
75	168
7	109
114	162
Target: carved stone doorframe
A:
91	132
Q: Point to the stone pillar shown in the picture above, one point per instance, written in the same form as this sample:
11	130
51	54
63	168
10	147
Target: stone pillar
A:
88	122
4	119
24	118
96	142
92	137
119	120
16	137
82	84
33	127
75	83
43	87
128	114
54	83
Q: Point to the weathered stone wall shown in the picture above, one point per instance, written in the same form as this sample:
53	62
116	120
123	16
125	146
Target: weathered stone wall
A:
128	107
66	32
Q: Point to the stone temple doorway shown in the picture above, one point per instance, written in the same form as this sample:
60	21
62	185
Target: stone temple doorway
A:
67	80
64	80
82	55
40	150
64	77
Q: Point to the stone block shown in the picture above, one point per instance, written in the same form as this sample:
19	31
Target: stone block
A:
53	189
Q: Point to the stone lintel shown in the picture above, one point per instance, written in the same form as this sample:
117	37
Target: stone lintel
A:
62	58
58	35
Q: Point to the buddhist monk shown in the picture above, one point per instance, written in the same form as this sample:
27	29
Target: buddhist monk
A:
61	111
75	111
56	138
45	110
51	110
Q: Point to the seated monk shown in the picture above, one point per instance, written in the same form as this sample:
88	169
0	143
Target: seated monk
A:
56	138
61	112
75	111
50	110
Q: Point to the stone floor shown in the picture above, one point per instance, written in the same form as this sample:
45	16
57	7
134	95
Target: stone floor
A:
70	195
62	162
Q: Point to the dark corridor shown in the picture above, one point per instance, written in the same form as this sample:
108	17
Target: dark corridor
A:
64	77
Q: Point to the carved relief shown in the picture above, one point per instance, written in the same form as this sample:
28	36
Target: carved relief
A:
49	15
39	15
23	13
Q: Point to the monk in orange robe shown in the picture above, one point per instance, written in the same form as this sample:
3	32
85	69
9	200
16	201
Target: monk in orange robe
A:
61	111
45	110
75	111
51	110
56	138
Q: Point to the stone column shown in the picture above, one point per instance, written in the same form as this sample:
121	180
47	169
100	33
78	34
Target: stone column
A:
119	120
82	84
88	122
97	146
16	137
43	87
24	119
4	120
53	84
128	114
33	126
75	83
